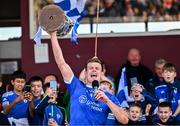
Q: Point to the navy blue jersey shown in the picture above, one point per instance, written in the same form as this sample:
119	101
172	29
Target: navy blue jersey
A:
162	93
168	93
46	110
37	119
52	111
85	110
20	110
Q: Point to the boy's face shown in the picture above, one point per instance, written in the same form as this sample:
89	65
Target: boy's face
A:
105	86
18	84
136	93
36	88
51	94
164	113
134	113
169	76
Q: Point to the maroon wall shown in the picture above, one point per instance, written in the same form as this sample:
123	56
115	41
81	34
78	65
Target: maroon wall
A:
113	51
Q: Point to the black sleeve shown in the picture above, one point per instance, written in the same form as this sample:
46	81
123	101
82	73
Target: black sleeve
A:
4	120
147	74
42	105
149	120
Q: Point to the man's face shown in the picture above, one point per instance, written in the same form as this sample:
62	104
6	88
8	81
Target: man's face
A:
36	88
134	57
159	70
169	76
93	72
164	113
134	113
18	84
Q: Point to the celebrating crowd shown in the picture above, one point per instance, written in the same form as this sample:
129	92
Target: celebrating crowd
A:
143	98
156	10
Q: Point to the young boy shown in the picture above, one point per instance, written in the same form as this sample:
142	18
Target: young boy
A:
36	85
163	116
170	90
135	114
107	86
141	96
18	103
53	114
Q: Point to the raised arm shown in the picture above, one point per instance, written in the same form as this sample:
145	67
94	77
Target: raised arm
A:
64	68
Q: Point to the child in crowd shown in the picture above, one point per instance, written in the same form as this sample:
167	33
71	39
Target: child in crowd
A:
141	96
170	90
18	103
36	85
107	86
135	114
52	113
164	114
163	117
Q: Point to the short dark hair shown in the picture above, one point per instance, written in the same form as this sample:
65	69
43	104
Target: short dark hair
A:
35	78
18	74
51	74
94	60
136	104
169	67
164	104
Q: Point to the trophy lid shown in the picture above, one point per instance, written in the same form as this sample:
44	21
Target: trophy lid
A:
51	18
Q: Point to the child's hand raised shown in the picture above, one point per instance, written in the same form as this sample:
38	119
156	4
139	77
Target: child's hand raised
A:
20	98
28	96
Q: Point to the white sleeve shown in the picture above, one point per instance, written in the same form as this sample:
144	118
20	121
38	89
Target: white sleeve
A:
70	80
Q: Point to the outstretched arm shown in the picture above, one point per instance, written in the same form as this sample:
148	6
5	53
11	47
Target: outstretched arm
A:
64	68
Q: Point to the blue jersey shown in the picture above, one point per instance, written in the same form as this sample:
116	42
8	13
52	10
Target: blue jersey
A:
20	110
169	93
84	109
52	111
162	93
